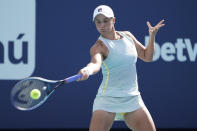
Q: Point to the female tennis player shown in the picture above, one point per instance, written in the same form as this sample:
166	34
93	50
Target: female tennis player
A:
116	53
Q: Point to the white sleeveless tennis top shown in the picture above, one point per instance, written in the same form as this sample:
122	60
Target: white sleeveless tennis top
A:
119	68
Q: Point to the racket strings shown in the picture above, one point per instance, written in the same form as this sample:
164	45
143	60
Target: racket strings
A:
21	93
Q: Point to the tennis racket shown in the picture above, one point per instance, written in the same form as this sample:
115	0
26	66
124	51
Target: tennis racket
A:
20	94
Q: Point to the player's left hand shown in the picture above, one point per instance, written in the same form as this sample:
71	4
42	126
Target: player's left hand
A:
153	30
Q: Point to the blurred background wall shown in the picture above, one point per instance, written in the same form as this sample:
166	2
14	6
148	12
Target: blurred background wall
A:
52	38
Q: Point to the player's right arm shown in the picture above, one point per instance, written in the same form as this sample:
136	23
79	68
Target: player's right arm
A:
98	53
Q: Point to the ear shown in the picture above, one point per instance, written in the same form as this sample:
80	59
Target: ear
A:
114	20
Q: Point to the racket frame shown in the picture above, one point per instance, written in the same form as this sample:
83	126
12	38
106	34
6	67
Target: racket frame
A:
58	82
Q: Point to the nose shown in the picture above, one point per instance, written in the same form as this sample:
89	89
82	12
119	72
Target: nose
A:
102	25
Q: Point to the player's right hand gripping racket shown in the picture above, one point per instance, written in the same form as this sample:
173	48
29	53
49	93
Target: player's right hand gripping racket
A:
20	94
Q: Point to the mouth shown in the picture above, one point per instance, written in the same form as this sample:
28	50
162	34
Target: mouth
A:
102	30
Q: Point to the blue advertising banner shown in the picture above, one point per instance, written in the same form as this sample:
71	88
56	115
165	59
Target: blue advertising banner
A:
52	38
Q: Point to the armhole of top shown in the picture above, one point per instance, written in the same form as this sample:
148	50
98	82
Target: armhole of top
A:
104	41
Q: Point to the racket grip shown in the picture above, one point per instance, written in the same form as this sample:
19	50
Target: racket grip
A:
73	78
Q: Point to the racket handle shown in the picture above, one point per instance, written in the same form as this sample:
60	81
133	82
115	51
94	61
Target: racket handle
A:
73	78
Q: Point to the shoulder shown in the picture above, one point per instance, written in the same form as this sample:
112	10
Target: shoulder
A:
135	41
99	47
125	32
129	34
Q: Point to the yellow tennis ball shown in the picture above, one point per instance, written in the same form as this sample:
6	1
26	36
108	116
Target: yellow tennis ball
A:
35	94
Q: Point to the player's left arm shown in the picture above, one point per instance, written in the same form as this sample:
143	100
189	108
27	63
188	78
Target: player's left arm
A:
146	53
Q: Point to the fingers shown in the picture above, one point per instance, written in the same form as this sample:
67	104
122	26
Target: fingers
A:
160	24
153	30
148	24
85	74
156	27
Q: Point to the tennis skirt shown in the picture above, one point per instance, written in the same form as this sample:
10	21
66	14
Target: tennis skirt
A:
118	105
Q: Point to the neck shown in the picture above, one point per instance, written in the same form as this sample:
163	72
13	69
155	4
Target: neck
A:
112	35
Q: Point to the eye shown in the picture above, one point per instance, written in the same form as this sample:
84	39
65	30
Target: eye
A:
98	22
106	20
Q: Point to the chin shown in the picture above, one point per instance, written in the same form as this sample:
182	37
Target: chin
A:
103	31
